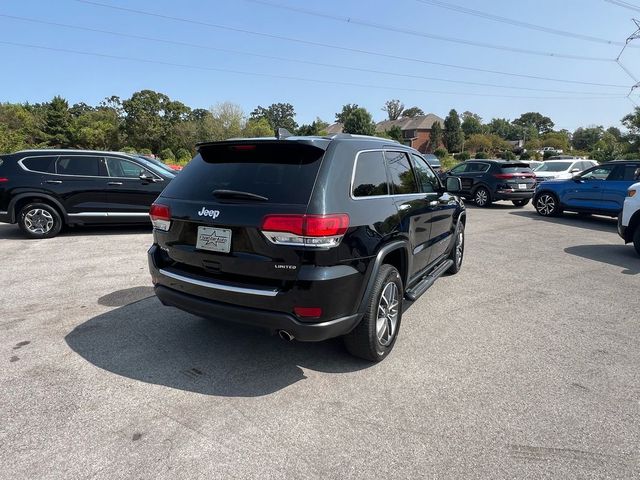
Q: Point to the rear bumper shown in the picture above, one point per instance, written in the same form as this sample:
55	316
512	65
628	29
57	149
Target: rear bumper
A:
513	194
306	332
336	290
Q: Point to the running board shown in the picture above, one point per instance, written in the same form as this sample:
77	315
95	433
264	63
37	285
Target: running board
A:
423	285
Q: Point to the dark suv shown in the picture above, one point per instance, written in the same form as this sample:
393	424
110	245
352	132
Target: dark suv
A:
42	190
310	237
487	181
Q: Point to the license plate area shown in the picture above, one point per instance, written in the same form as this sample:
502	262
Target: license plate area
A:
214	239
522	186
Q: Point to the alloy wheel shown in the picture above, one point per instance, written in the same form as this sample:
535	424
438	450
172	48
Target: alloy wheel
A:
545	205
388	312
38	221
481	197
459	248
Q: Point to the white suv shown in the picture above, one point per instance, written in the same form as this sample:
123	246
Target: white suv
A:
562	169
629	220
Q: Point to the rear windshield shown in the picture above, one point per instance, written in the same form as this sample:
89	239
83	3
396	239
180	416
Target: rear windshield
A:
553	167
283	172
515	168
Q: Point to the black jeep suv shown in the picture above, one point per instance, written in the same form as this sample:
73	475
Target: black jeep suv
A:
310	237
42	190
486	181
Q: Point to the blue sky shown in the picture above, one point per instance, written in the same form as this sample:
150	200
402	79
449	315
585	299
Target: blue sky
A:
36	75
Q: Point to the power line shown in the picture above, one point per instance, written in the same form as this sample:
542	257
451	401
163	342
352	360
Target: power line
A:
356	21
285	77
518	23
306	62
624	4
352	50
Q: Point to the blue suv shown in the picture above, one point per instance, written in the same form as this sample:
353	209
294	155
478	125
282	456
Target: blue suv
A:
598	190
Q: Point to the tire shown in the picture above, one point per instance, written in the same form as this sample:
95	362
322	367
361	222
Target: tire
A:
520	203
457	253
482	197
369	340
39	220
636	239
547	205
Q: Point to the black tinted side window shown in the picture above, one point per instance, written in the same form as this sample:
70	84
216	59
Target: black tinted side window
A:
426	177
370	178
78	165
39	164
401	174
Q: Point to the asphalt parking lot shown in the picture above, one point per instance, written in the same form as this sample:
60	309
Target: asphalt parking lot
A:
525	365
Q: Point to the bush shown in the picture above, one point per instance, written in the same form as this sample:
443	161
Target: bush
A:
462	156
482	155
183	154
525	156
128	150
166	155
508	155
146	151
441	153
548	155
630	156
447	163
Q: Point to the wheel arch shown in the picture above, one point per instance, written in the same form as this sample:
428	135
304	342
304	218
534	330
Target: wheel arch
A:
22	199
396	254
634	224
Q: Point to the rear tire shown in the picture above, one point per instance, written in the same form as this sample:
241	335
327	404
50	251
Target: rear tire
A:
636	239
547	205
39	220
520	203
457	254
376	334
482	197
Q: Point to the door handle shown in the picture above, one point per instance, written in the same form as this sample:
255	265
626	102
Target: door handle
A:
433	203
404	207
114	183
54	181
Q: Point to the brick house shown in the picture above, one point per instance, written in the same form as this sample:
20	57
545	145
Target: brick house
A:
416	131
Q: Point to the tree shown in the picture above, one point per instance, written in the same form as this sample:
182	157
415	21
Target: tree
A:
95	129
435	137
453	135
167	155
557	140
395	132
257	128
359	122
586	138
346	111
227	120
412	112
535	120
279	115
317	127
478	142
503	128
471	123
606	149
394	109
56	126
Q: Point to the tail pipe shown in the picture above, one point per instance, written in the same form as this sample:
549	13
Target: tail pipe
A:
283	334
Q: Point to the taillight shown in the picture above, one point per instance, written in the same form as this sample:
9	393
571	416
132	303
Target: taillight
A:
160	216
305	230
3	179
503	176
308	312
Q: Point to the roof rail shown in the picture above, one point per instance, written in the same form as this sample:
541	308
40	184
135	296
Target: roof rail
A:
337	136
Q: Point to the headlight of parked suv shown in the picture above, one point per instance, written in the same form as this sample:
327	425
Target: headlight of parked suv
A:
631	193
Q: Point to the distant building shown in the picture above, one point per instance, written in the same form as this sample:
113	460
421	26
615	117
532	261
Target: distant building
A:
416	131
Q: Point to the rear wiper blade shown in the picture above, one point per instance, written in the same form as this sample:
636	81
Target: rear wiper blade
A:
238	194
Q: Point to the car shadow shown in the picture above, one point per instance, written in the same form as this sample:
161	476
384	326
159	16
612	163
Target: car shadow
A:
12	232
593	222
494	206
151	343
621	256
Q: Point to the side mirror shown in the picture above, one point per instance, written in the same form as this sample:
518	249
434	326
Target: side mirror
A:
574	170
454	185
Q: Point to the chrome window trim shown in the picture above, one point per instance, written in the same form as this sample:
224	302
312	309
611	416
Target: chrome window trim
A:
373	197
104	157
218	286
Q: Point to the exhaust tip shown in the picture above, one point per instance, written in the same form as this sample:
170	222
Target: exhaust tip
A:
283	334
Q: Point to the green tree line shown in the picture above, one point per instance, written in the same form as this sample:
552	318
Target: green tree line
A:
151	122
